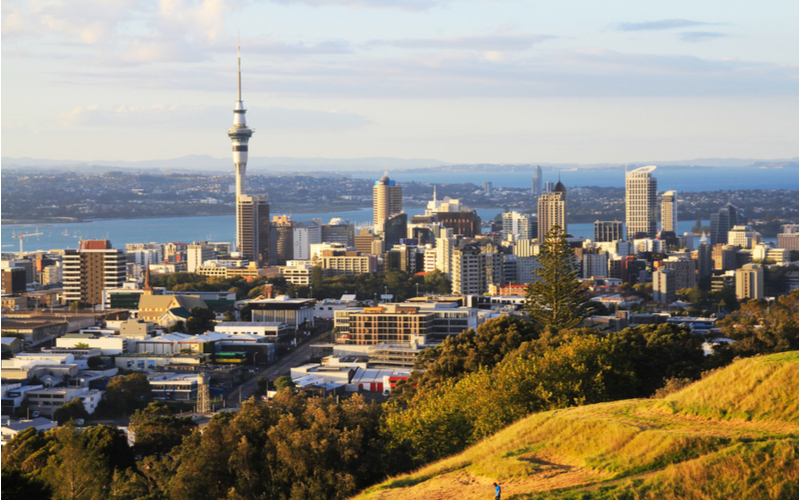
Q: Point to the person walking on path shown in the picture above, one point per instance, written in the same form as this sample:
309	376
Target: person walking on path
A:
496	491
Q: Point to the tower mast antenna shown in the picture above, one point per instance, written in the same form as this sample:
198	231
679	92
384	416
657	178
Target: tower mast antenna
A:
239	65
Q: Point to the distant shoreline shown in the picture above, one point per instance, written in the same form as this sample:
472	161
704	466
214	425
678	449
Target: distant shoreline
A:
42	223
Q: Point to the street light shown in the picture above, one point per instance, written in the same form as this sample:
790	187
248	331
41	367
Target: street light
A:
417	289
386	293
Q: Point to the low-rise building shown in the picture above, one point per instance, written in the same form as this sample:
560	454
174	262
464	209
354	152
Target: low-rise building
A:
283	309
173	386
273	331
47	400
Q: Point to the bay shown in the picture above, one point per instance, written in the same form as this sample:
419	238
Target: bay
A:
188	229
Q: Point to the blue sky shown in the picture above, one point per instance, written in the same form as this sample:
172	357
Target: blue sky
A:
459	81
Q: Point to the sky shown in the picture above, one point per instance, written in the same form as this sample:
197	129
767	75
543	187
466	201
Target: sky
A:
461	81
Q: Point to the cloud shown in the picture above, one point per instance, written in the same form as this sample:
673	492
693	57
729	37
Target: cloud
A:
453	74
494	42
700	36
89	21
162	115
406	5
665	24
293	120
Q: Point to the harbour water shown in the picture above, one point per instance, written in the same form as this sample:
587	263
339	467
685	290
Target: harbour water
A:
188	229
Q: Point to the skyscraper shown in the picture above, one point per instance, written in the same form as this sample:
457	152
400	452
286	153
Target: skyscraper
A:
252	212
552	210
606	231
669	211
722	222
536	184
253	228
387	200
640	203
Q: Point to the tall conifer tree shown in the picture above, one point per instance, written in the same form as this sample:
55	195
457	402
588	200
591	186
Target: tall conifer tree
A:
555	298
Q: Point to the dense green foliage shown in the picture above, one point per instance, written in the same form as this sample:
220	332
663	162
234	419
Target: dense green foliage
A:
758	327
70	411
125	394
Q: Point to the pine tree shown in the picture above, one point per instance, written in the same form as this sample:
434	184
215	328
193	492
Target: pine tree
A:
555	298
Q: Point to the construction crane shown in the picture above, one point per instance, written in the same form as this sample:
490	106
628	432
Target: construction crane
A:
22	236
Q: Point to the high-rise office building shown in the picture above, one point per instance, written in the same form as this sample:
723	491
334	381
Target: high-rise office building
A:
750	282
518	226
552	210
669	211
94	267
536	184
465	223
14	281
339	230
640	203
705	261
664	286
252	212
606	231
285	239
253	228
722	222
685	275
395	229
387	200
548	186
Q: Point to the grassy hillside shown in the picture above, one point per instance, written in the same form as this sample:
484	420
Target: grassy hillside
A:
733	434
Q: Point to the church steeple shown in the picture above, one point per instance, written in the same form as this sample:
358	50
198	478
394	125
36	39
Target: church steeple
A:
147	288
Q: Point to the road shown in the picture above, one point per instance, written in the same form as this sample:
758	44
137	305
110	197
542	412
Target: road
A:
282	367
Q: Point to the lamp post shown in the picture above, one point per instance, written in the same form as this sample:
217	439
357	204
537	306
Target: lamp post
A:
417	284
386	293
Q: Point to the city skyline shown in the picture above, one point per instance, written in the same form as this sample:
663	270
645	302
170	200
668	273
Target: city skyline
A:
462	82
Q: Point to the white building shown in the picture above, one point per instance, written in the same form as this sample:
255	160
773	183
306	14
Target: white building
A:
669	211
297	272
766	252
517	226
641	214
305	234
197	254
743	236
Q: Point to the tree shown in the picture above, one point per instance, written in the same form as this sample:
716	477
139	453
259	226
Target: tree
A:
77	306
70	411
179	326
81	345
437	282
555	299
95	362
157	431
283	382
73	472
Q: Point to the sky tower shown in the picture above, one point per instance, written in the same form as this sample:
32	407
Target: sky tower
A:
239	133
252	211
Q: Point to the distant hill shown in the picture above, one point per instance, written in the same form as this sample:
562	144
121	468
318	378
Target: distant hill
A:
731	435
209	163
262	164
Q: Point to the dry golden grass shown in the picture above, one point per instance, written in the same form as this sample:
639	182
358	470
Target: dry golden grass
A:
718	436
